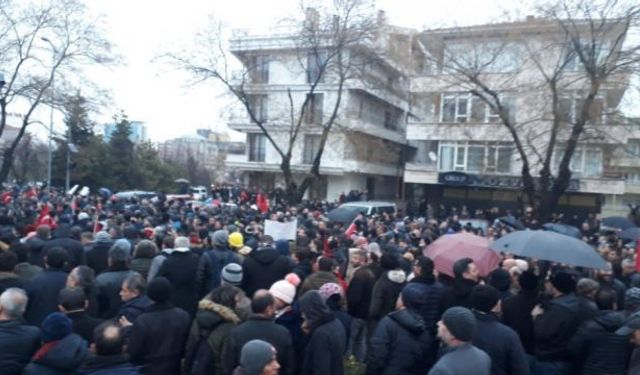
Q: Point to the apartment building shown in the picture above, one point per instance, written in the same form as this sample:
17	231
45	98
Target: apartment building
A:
462	153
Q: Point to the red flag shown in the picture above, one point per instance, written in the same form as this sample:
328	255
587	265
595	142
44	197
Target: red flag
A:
262	203
637	255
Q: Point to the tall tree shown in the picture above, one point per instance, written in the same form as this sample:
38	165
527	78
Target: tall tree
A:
122	154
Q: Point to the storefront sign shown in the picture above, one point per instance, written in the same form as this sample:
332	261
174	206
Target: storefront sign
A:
490	181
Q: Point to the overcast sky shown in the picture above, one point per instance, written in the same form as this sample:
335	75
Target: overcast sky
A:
142	29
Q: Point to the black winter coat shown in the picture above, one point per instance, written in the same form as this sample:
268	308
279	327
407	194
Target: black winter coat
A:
117	364
35	253
502	344
134	307
262	268
260	328
325	350
431	311
210	268
43	292
62	238
84	325
555	327
109	285
385	293
157	339
459	294
516	313
597	347
64	358
9	280
98	256
401	344
181	269
359	293
18	343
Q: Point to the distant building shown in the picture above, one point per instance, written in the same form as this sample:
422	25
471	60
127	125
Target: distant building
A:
138	132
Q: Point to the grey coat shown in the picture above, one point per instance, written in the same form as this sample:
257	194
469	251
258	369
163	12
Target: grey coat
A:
465	359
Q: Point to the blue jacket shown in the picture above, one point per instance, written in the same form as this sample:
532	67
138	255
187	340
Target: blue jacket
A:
43	292
134	307
502	344
64	358
431	310
18	343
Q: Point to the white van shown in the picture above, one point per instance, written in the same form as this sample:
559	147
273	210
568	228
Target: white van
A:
199	193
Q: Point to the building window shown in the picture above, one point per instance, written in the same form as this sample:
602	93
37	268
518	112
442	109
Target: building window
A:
259	69
311	148
475	157
313	111
259	107
316	66
257	143
633	178
464	107
585	161
570	105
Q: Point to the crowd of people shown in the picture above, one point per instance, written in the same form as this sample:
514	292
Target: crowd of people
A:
95	285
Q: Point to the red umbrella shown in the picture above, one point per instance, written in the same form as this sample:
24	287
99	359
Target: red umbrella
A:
446	250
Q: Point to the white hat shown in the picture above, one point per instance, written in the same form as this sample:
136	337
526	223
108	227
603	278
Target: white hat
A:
283	290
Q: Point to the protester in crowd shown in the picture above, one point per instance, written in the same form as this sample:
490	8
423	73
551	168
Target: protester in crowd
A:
501	280
236	244
134	299
107	355
73	303
156	263
302	258
323	272
213	261
358	305
606	280
109	282
62	351
333	296
143	256
181	270
263	267
8	277
62	238
387	288
631	301
98	255
466	276
35	245
516	310
84	277
431	310
258	357
401	343
231	275
18	341
631	331
44	288
287	310
327	339
157	338
261	326
209	335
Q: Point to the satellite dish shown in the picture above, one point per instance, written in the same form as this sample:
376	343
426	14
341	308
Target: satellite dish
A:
433	156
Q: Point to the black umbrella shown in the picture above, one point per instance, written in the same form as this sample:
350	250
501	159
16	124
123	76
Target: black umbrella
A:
567	230
512	222
617	222
551	246
344	215
630	234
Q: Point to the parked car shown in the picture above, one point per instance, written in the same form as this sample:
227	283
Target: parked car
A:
199	193
347	212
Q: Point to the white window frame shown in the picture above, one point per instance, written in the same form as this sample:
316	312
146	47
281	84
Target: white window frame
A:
489	117
463	147
578	162
576	96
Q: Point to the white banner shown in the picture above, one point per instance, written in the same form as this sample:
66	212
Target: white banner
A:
281	231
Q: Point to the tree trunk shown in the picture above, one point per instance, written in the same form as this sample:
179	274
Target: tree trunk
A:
7	162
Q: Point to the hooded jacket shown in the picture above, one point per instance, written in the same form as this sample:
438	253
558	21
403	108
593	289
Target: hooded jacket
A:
262	268
210	268
431	310
62	238
63	357
555	327
401	344
385	293
598	348
213	321
327	339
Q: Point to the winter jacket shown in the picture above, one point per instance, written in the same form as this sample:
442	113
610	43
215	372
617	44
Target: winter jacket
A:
385	293
84	325
291	319
597	347
316	280
35	253
431	310
303	270
262	268
502	344
62	238
325	350
210	268
43	292
400	345
109	284
18	343
98	256
359	292
132	308
156	263
59	357
9	280
117	364
465	359
141	266
213	323
157	339
516	313
180	269
555	327
459	294
260	328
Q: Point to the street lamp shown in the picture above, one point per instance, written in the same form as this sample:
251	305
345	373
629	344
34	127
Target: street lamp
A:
50	148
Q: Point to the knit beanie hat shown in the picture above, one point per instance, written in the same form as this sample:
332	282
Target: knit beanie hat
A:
232	274
124	244
484	298
255	355
159	289
460	322
55	326
220	237
283	290
329	289
414	295
103	237
564	282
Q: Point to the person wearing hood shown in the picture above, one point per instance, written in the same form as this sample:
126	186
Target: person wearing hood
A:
181	270
208	338
108	357
401	343
499	341
466	276
555	324
322	273
62	238
326	348
62	351
596	346
264	267
98	254
213	261
387	289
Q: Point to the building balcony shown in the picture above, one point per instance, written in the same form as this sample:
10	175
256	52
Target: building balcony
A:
433	131
274	38
375	127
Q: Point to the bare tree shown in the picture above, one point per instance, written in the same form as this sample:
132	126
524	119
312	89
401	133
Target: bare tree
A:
565	62
329	45
40	42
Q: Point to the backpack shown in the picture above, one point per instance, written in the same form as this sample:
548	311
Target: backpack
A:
199	360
